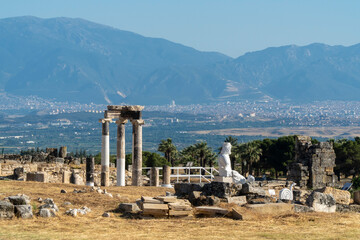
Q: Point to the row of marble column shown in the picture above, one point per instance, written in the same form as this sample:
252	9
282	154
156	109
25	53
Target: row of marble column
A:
154	174
120	153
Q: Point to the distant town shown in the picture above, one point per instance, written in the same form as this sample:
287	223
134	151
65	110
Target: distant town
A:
30	122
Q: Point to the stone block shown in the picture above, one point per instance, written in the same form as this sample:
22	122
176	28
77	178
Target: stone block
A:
19	200
236	214
19	173
167	199
36	177
321	202
342	208
197	199
340	196
184	189
180	206
151	200
239	200
249	188
6	210
355	208
23	211
46	213
221	189
76	179
357	197
155	210
176	213
128	208
66	177
209	211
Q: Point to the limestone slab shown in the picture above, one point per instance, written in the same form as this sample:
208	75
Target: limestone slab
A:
211	211
239	200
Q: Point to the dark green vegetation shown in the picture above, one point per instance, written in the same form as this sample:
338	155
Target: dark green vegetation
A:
76	60
347	157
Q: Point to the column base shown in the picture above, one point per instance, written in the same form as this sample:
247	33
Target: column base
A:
91	184
105	179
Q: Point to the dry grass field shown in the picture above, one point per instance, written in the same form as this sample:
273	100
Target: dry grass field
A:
93	226
328	132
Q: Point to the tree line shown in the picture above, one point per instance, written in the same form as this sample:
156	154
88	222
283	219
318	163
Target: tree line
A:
254	157
259	156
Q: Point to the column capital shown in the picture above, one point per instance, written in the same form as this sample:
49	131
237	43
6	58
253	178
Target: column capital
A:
138	122
121	121
103	120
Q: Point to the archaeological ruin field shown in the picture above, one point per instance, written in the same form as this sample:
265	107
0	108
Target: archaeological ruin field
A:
255	225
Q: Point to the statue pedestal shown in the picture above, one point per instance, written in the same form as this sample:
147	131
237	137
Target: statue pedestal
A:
223	179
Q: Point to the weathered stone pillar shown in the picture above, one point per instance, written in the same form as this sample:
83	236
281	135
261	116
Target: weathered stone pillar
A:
120	153
137	152
105	153
166	176
90	164
154	177
63	152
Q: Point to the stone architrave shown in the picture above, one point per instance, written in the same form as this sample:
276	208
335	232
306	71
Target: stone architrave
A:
166	176
137	152
120	153
90	165
105	152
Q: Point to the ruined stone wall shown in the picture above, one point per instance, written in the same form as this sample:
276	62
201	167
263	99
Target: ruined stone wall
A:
56	172
314	164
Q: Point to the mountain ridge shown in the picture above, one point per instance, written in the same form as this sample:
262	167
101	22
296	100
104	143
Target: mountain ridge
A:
72	59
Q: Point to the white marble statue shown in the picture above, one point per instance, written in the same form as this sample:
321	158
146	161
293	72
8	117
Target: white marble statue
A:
225	165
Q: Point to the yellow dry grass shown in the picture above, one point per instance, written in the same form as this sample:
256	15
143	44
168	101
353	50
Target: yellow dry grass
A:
93	226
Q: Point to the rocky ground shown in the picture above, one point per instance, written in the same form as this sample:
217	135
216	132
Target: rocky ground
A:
93	225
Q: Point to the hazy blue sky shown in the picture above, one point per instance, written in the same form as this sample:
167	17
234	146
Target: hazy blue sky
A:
232	27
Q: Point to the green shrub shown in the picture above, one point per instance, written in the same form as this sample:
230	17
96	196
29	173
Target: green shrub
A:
356	183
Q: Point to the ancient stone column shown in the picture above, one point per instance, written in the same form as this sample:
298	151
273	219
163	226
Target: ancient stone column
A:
154	177
120	153
105	153
137	153
166	176
90	165
63	152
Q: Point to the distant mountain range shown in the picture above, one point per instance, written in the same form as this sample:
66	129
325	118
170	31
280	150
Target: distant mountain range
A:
76	60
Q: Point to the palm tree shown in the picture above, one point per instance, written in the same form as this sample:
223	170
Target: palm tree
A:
238	152
204	154
251	154
169	150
